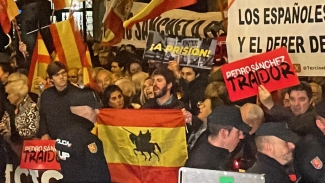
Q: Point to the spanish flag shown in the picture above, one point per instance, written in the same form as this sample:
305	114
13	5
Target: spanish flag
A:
117	12
156	8
70	48
39	62
8	11
60	4
143	146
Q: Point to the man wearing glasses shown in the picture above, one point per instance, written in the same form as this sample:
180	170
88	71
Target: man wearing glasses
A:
54	106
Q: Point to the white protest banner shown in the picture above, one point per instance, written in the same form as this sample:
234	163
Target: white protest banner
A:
174	23
22	175
257	26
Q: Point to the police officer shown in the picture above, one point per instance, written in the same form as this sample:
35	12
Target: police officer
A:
310	152
81	154
274	142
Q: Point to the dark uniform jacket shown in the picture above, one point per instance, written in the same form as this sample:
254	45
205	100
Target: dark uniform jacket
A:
273	170
206	156
310	159
55	111
81	155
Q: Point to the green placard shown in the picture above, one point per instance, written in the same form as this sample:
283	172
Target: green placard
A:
226	179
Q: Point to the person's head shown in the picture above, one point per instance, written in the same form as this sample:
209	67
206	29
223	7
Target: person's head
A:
252	115
113	97
146	90
103	79
138	80
119	65
80	77
130	48
317	93
226	127
127	87
275	140
300	98
217	89
5	67
85	103
286	101
189	73
58	75
73	75
207	106
17	90
135	67
163	81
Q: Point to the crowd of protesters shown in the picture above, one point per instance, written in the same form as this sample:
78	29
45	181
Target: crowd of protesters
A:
277	134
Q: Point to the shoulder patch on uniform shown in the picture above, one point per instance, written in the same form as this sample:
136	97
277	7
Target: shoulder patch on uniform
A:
92	147
317	163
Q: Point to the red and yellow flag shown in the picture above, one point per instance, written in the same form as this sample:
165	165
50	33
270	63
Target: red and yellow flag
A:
144	146
60	4
39	62
156	8
8	11
117	12
70	47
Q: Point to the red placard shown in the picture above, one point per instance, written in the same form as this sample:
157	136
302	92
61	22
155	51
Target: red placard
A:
273	69
39	155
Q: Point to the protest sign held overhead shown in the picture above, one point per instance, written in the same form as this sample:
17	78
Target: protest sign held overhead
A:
194	52
273	69
261	26
39	155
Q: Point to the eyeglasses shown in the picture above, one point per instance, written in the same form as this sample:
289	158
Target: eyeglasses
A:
63	73
200	104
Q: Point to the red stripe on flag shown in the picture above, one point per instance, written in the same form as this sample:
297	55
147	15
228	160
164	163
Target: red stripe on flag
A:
114	23
142	118
79	42
33	63
57	43
155	174
44	59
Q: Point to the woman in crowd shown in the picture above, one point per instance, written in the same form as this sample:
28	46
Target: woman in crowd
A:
26	113
206	108
114	98
146	90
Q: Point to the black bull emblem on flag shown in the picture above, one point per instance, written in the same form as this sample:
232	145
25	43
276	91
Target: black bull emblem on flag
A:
142	144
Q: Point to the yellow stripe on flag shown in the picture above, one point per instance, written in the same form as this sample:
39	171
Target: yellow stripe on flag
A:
171	141
66	35
12	10
39	62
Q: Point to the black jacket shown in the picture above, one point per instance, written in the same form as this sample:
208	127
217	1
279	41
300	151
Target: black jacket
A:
273	170
310	158
193	92
55	114
206	156
81	155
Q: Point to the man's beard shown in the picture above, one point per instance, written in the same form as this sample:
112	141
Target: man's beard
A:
161	92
